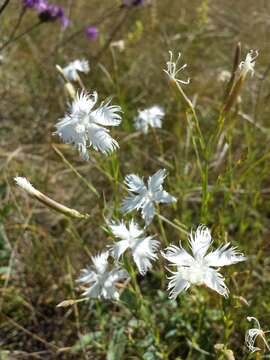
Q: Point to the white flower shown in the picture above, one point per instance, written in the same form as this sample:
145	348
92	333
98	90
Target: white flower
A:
199	268
119	44
224	76
149	117
143	248
25	185
249	63
100	279
146	196
82	126
172	70
71	70
252	334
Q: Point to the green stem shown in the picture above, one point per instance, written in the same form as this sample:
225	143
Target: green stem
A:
27	31
65	161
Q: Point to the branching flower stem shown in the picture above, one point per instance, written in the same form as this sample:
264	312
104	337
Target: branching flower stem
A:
181	229
27	31
203	168
4	5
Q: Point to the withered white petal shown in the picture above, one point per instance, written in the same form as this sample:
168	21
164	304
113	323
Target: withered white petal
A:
252	334
248	64
173	70
25	185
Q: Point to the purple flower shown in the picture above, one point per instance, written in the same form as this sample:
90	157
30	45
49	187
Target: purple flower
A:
92	32
51	12
41	5
130	3
47	11
30	3
64	21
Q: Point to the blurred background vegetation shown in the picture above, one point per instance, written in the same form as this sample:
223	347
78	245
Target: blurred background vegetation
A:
41	253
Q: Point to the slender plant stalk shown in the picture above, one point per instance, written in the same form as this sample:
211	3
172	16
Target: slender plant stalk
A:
182	230
76	308
236	61
18	23
2	8
27	31
114	32
99	21
66	162
163	232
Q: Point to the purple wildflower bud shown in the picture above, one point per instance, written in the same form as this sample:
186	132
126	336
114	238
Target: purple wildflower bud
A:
51	12
92	32
41	5
30	3
130	3
64	21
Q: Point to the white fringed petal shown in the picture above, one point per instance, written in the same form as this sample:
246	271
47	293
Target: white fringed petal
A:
82	127
143	249
151	117
197	269
146	197
71	70
100	281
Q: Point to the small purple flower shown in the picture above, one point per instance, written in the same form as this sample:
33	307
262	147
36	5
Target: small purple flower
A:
130	3
41	5
47	11
92	32
64	21
51	12
30	3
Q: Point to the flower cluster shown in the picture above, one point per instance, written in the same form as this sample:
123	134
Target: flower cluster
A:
84	126
47	11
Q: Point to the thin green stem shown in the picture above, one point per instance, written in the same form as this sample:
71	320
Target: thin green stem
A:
181	229
65	161
27	31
